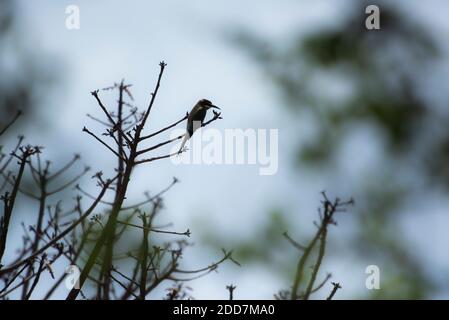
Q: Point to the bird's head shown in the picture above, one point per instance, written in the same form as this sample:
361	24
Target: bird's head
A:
206	104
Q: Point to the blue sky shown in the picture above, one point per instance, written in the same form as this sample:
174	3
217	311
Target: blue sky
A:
118	41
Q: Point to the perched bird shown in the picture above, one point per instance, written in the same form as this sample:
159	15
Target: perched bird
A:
196	119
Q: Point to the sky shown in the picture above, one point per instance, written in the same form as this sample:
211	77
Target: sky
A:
117	41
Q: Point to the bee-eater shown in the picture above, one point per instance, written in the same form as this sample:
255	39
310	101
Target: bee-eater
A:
196	118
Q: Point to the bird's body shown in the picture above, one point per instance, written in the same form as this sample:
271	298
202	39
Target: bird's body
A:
196	119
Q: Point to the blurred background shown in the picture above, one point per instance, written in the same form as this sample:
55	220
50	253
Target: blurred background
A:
362	114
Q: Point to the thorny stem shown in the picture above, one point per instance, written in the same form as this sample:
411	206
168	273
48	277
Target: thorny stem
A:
153	265
231	289
9	200
108	233
64	233
334	290
329	209
144	257
317	264
18	114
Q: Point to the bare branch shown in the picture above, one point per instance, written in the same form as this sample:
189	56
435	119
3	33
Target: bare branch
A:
334	290
62	234
164	129
18	114
103	143
162	65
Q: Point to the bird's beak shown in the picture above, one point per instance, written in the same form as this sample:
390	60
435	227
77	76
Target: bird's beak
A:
212	106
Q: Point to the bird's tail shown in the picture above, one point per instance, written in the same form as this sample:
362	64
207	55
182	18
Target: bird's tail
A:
184	141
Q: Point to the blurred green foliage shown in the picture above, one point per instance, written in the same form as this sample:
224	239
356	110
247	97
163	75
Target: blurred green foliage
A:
380	79
26	73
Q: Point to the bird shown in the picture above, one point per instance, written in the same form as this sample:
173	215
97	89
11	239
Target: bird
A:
196	118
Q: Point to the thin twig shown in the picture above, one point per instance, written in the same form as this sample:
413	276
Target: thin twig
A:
18	114
103	143
62	234
164	129
334	290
